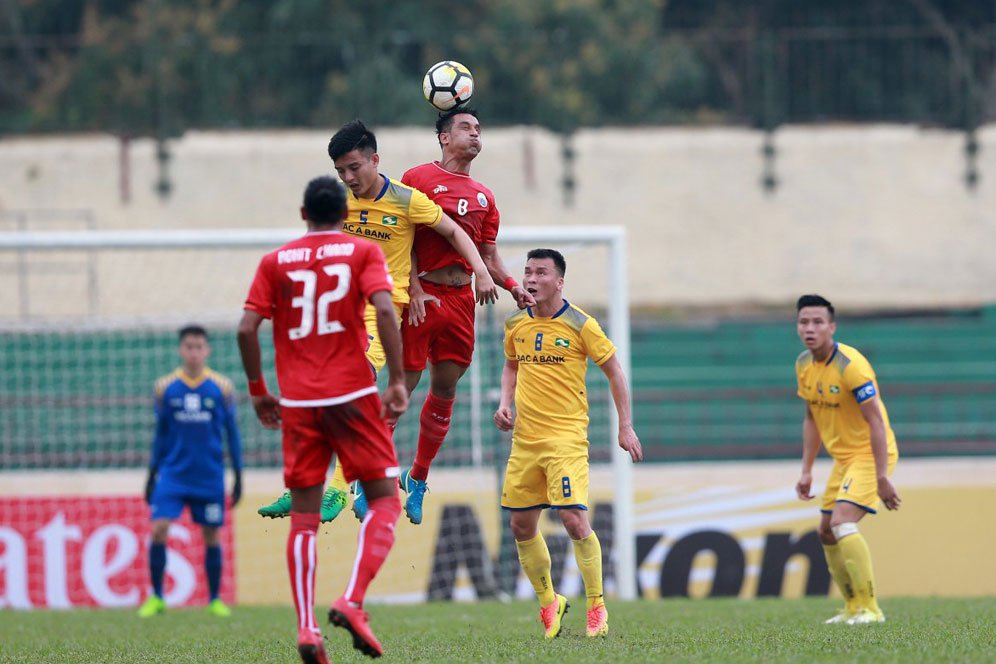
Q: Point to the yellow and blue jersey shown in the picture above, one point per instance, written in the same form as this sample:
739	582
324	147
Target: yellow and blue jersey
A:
191	414
390	220
551	400
834	390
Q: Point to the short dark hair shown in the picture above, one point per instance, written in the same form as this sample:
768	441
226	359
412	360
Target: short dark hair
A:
192	330
813	300
445	121
352	136
552	254
325	200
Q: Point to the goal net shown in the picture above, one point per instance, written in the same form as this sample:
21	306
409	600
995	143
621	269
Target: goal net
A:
82	348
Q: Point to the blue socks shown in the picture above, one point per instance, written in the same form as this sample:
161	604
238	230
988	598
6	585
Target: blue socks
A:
157	567
212	565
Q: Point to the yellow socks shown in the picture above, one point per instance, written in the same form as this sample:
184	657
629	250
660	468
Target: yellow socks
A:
338	480
588	553
535	560
857	559
840	575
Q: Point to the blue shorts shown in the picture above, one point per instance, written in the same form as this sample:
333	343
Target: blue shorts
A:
167	503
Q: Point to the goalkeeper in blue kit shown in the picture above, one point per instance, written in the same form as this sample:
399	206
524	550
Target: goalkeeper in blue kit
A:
194	406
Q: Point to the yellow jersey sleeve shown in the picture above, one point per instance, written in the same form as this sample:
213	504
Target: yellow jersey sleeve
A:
859	379
421	210
599	347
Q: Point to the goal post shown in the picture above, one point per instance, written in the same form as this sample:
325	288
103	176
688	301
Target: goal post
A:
610	238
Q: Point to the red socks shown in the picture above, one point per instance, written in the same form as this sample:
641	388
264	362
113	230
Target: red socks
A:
375	542
434	424
301	563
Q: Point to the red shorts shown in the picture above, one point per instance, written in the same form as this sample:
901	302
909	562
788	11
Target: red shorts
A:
447	334
353	431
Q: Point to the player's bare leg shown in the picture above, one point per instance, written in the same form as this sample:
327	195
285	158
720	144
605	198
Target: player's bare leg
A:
376	539
534	556
588	554
434	424
301	563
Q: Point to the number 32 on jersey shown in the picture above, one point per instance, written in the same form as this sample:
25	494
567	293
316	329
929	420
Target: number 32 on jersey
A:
310	309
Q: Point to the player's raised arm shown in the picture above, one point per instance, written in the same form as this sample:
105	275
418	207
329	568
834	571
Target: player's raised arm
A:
266	405
395	399
483	283
501	275
505	416
620	396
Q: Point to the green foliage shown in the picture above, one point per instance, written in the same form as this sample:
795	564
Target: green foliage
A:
776	630
159	67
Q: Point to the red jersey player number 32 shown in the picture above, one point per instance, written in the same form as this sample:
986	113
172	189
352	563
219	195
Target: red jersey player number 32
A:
315	289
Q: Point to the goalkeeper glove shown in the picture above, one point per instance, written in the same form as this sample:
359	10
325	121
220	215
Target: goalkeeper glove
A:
150	485
237	489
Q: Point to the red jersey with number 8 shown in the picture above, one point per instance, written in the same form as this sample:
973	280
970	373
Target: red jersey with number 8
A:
468	202
315	289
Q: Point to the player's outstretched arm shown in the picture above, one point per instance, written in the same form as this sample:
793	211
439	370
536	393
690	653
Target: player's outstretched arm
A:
505	416
620	396
501	275
395	399
810	447
266	405
483	283
872	412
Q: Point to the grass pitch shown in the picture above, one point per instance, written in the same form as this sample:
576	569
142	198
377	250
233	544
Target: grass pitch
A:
768	630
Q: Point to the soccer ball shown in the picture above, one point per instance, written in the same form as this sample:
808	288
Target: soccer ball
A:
448	84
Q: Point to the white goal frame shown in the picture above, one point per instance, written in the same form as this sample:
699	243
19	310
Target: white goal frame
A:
614	237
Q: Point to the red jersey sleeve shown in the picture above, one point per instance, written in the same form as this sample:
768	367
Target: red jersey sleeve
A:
261	296
374	275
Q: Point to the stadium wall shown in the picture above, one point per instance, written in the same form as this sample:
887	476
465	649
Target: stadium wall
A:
874	215
715	529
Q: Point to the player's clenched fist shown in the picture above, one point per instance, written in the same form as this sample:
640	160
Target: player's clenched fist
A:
504	418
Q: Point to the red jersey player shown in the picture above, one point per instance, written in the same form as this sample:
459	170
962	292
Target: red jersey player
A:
315	289
443	332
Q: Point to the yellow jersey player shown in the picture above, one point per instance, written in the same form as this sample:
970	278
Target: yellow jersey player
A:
547	347
386	212
845	411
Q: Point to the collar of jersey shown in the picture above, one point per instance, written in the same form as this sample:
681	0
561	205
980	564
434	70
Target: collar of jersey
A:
192	383
567	304
445	170
832	355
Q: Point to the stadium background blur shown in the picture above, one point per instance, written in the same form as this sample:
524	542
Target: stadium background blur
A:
752	151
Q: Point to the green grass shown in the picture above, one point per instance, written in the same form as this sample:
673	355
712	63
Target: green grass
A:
769	630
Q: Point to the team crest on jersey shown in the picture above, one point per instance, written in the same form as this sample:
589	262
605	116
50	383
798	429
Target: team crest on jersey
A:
191	402
562	343
482	199
389	221
440	188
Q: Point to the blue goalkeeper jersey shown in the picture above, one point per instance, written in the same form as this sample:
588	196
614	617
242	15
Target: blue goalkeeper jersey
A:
191	414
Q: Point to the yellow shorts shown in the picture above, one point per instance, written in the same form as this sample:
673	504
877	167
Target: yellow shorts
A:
550	474
375	351
854	481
